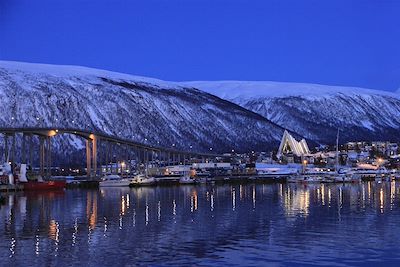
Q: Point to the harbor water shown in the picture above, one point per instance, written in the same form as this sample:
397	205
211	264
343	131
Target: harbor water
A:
204	225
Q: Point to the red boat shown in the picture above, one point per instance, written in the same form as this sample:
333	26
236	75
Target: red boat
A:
38	184
45	185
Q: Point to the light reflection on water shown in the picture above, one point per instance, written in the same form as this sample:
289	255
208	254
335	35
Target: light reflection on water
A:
245	224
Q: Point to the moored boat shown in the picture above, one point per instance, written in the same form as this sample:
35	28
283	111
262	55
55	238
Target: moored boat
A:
38	184
114	180
347	178
310	179
143	180
6	176
44	185
187	179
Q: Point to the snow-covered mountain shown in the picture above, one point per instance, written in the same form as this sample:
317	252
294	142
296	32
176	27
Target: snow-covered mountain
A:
165	113
316	111
137	108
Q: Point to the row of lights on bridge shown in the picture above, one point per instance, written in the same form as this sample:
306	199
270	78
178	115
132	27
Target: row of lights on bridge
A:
158	142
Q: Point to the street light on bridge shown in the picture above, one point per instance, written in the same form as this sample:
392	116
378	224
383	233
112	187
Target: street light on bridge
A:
52	133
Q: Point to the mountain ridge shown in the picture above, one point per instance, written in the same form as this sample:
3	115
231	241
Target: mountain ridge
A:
317	111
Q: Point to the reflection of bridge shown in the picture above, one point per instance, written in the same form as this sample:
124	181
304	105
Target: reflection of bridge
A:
143	152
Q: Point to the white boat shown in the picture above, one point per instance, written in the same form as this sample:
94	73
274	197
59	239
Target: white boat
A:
114	180
275	171
307	178
347	178
141	180
6	175
205	180
311	179
187	179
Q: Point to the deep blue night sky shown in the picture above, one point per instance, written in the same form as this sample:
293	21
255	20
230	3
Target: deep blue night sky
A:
328	42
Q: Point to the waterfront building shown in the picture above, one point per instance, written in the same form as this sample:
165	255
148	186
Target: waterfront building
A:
291	149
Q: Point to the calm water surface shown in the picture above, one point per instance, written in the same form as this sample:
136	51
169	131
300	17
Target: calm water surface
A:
251	225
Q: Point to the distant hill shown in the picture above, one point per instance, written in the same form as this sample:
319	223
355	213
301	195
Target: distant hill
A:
316	111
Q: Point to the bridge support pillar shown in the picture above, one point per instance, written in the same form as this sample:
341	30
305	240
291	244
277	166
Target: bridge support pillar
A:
111	157
41	155
23	152
6	155
107	156
94	156
91	157
44	155
13	153
48	156
31	150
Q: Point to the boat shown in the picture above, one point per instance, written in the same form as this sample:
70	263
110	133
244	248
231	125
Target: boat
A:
347	178
187	179
345	175
143	180
38	184
275	171
310	179
167	178
6	176
44	185
310	176
114	180
205	180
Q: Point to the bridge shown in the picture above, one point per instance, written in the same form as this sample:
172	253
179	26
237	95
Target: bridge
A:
144	153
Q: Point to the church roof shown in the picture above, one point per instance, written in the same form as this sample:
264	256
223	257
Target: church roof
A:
290	145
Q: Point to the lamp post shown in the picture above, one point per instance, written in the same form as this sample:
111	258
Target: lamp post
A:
304	165
380	162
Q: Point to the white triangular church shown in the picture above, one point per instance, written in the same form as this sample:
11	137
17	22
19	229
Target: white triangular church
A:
290	145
